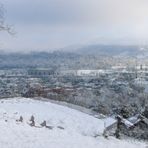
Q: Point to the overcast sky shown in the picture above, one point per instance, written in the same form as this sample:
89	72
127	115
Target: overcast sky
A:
52	24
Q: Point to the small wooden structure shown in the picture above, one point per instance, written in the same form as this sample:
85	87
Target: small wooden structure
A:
136	126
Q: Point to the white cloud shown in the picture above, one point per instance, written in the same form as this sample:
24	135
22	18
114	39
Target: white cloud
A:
58	23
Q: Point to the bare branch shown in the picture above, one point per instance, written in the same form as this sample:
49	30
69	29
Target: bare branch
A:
3	26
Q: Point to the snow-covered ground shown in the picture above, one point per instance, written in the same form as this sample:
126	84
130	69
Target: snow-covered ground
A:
79	130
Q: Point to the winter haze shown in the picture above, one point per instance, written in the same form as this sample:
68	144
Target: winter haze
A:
54	24
74	73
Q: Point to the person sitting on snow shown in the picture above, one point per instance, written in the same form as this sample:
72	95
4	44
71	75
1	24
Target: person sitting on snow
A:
21	119
32	121
43	124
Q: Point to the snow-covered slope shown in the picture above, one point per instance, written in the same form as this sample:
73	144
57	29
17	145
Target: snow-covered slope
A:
79	128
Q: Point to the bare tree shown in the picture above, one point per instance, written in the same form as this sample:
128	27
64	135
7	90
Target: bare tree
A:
3	25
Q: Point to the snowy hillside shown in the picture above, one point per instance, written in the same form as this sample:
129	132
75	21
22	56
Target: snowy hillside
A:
70	128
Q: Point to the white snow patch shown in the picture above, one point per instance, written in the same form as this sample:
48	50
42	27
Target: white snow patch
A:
79	128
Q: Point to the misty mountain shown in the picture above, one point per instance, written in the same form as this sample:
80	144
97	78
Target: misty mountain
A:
113	50
36	59
87	57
